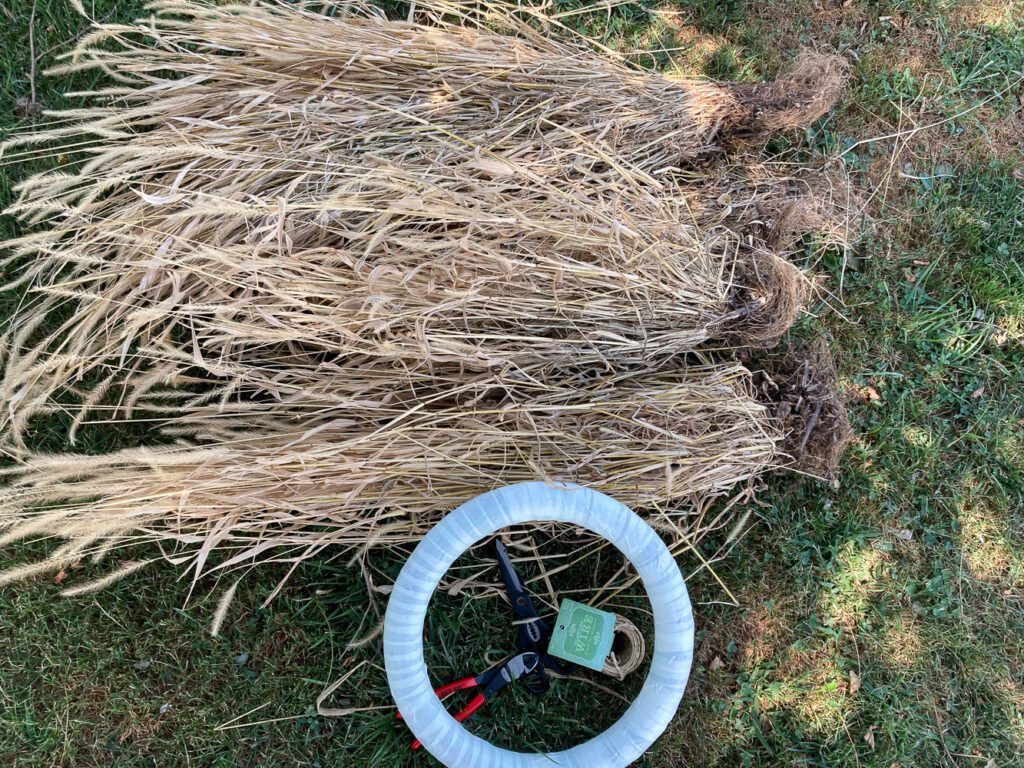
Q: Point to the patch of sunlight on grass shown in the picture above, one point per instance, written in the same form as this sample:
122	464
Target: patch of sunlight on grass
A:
968	340
697	46
919	62
759	634
1009	329
988	553
1012	695
881	484
899	642
856	583
997	14
917	435
1010	448
815	690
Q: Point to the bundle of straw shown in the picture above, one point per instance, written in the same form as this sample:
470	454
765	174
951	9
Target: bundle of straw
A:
418	194
271	489
386	267
371	85
363	270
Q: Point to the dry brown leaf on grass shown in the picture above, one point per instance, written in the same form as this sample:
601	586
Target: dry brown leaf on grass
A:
869	737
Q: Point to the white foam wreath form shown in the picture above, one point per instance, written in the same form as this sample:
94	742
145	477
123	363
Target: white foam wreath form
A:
647	717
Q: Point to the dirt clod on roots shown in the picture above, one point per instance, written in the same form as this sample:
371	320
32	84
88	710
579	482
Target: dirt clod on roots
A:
799	387
794	100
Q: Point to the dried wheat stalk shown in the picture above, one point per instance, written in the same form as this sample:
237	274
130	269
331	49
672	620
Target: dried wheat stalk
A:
364	188
363	270
268	487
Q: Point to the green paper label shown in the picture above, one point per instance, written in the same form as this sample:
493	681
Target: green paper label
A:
582	635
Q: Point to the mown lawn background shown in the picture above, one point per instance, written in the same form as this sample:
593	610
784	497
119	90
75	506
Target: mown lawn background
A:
879	623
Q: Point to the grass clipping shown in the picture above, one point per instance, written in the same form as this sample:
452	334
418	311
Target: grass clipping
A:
362	270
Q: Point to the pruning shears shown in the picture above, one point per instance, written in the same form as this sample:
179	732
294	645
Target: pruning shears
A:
531	663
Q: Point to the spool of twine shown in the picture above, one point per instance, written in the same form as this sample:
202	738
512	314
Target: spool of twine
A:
628	650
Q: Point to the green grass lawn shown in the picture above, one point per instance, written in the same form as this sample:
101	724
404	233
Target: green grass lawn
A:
880	623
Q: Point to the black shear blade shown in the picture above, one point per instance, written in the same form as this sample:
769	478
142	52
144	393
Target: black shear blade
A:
534	633
508	572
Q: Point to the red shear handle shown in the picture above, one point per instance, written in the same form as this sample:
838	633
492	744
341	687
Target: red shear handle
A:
467	712
459	685
447	690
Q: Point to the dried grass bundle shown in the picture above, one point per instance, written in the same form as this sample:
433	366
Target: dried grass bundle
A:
409	271
272	489
363	270
414	88
268	179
